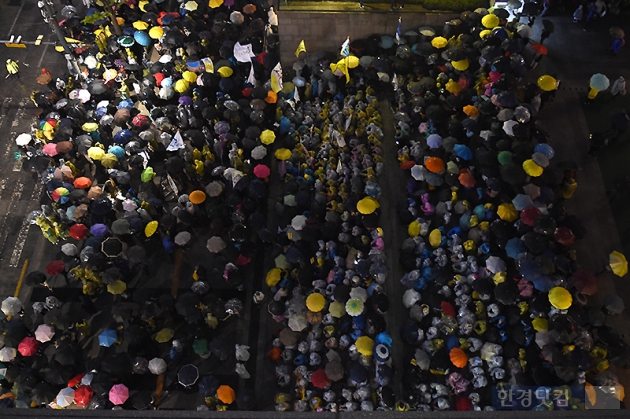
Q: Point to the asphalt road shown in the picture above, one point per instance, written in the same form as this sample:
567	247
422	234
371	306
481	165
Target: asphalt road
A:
20	190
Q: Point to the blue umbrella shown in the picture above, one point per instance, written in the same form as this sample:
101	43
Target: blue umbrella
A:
123	136
107	338
142	38
99	230
530	270
463	152
545	149
599	82
117	151
434	141
543	283
522	201
208	385
386	42
127	103
515	247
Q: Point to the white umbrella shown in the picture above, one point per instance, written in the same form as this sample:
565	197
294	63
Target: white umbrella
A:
7	354
508	127
259	152
525	31
84	95
44	333
215	244
70	249
129	205
182	238
298	222
418	172
495	264
359	293
410	297
65	397
157	366
422	359
543	338
11	306
23	139
298	322
214	189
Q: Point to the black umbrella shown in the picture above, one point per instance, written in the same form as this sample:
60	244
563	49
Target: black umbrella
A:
56	374
208	385
112	247
142	400
43	393
188	375
35	278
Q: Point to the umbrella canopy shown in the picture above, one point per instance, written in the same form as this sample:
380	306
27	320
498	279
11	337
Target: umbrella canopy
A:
83	395
157	366
215	244
65	397
11	306
188	375
107	338
226	394
44	333
616	260
28	346
364	345
118	394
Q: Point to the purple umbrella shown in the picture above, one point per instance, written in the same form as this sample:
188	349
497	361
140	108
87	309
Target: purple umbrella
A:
221	127
99	230
186	100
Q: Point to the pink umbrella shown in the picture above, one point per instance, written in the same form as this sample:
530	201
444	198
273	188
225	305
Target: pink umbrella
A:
28	346
50	149
262	171
118	394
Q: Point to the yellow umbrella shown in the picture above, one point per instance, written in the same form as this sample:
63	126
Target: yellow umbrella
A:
156	32
225	71
89	126
364	345
267	137
191	6
618	263
283	154
189	76
110	74
439	42
540	324
490	21
151	228
560	298
95	153
414	229
453	87
546	83
140	25
367	205
109	160
352	61
273	277
337	309
531	168
507	212
461	65
215	3
117	287
181	86
164	335
315	302
485	33
435	238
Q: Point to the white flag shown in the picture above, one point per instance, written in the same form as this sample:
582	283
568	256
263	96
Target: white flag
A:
296	95
176	143
276	78
243	53
345	48
251	79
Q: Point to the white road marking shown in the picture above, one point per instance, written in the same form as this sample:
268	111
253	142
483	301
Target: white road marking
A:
17	166
41	59
19	245
15	20
15	198
4	110
16	121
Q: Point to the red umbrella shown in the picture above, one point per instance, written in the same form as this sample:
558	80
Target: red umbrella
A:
320	379
55	267
466	179
447	309
78	231
539	48
407	164
118	394
83	395
140	121
76	380
529	215
28	346
564	236
585	282
262	171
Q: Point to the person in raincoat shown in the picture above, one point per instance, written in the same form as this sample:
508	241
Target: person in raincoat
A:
13	69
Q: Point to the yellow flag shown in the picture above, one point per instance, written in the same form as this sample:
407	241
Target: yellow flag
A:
300	48
342	66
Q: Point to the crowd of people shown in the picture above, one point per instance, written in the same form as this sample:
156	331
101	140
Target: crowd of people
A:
180	128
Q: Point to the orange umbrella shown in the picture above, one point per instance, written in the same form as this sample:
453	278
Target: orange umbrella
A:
197	197
434	164
539	48
466	179
226	394
458	357
82	183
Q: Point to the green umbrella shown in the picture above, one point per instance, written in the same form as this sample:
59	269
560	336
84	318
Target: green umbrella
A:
200	346
147	174
126	41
